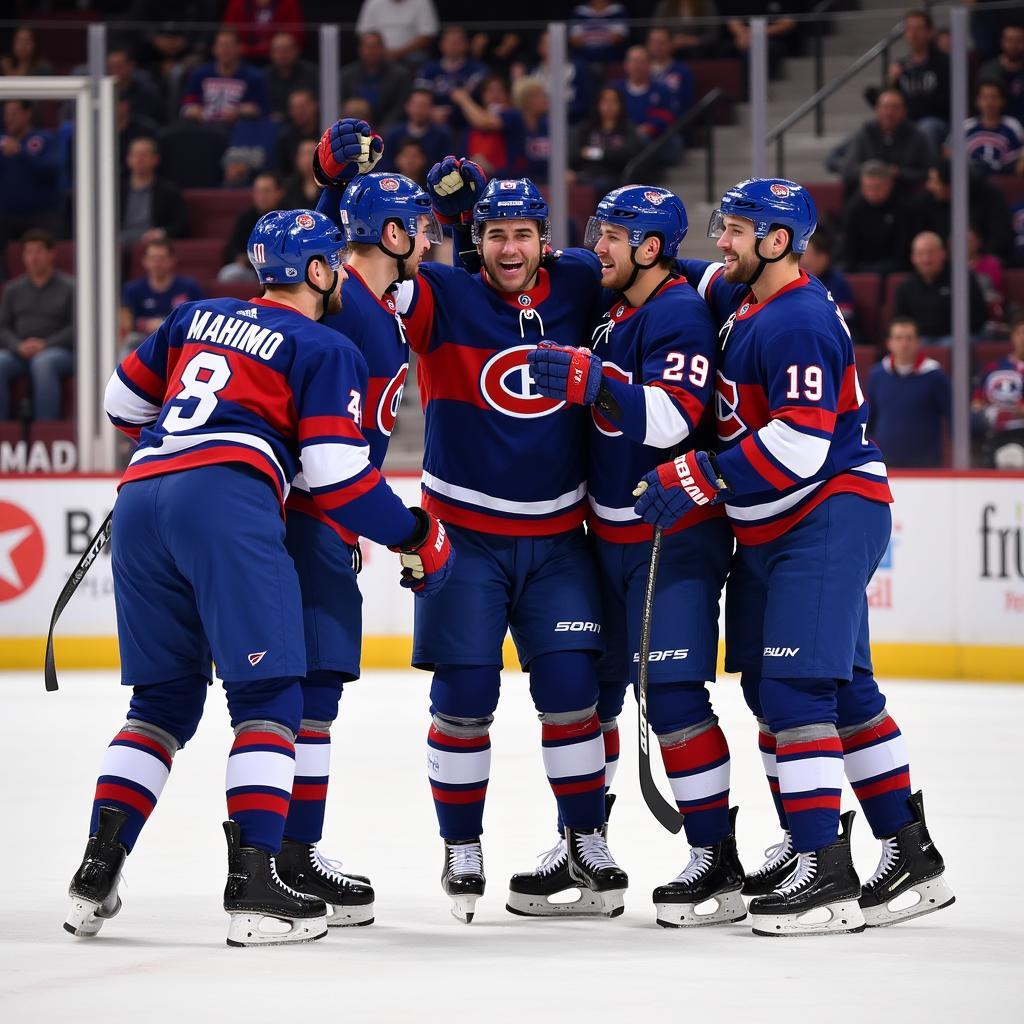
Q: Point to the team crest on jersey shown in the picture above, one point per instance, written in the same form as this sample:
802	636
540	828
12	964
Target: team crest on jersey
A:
390	400
507	386
657	198
782	191
616	373
305	221
727	401
389	185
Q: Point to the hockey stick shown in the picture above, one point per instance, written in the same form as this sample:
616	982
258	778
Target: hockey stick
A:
665	812
96	545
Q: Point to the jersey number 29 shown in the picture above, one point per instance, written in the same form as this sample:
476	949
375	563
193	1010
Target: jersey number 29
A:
206	374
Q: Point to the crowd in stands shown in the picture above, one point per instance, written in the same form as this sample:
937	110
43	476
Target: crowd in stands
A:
228	98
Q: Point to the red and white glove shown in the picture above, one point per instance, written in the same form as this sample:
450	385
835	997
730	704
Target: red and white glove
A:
427	557
667	493
349	147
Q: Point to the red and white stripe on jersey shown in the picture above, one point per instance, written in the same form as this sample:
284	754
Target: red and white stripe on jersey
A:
876	759
133	396
671	413
622	526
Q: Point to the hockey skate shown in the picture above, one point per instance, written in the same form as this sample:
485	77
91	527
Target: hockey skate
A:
550	891
349	898
819	898
908	881
780	860
462	877
591	866
707	891
93	890
264	911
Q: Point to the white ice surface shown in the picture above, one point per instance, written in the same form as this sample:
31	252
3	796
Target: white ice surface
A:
164	957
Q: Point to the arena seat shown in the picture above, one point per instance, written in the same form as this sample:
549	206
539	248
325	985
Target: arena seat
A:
941	354
200	258
725	74
65	252
867	296
212	212
892	282
985	352
1012	187
1013	288
865	356
828	198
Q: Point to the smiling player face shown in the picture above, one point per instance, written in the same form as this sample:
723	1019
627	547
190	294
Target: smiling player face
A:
738	246
615	253
511	252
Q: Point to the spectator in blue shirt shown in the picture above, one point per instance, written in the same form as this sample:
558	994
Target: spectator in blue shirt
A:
148	300
908	402
225	89
668	71
598	32
420	126
454	70
30	170
650	104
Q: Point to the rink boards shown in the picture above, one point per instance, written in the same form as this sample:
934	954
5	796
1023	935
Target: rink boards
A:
946	602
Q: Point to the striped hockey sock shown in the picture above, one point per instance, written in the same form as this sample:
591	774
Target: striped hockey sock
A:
697	764
132	777
810	760
261	771
610	735
878	767
308	805
574	759
459	766
766	744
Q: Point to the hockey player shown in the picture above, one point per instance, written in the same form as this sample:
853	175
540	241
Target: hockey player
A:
647	380
230	403
389	226
503	468
807	495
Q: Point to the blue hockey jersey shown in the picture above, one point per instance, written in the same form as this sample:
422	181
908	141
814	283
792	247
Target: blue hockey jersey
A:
658	360
499	457
790	413
260	385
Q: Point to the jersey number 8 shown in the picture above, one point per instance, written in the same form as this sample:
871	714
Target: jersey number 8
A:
205	375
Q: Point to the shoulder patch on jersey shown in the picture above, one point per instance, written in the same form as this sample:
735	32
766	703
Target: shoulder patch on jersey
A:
251	312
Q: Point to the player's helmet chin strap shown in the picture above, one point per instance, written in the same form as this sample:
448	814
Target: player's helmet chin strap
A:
763	261
398	258
324	293
637	267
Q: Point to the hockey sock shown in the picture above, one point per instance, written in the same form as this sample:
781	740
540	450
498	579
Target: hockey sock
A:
459	766
573	751
878	767
261	771
697	762
766	744
132	777
810	761
308	805
610	735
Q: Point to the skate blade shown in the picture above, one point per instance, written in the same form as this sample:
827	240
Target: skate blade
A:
585	904
932	895
464	907
86	917
349	917
258	929
839	918
721	909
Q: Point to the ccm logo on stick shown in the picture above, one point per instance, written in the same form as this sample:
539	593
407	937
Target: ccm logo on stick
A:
577	627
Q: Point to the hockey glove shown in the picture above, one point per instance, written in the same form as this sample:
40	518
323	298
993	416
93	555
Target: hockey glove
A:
560	371
349	147
427	557
454	186
667	493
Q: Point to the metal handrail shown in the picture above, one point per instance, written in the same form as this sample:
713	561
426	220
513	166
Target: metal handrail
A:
701	110
882	47
820	25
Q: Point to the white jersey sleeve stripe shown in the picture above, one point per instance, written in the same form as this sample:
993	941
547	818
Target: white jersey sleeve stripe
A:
702	285
494	504
666	425
800	453
121	403
324	465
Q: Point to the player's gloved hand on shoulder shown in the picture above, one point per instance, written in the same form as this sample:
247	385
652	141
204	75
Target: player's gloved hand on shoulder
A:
455	185
561	371
667	493
349	147
427	556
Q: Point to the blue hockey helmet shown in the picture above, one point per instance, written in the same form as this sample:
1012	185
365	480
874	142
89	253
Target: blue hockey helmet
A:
769	203
284	241
512	199
372	200
643	210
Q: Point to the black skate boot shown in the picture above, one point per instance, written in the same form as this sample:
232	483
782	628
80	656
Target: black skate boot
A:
592	866
93	890
715	876
462	876
910	864
780	860
550	891
302	867
264	911
819	898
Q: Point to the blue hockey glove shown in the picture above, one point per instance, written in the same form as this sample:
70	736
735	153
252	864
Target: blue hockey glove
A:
560	371
454	186
349	147
667	493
